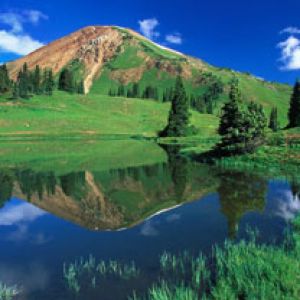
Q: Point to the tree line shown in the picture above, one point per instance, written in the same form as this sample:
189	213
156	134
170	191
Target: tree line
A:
293	112
204	103
67	82
149	92
38	82
242	128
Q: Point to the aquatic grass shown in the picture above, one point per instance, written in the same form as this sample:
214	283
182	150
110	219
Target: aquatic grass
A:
243	270
250	271
88	272
174	263
7	292
200	273
70	273
165	292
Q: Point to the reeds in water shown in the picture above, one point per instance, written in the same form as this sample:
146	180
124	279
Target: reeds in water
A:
7	292
90	271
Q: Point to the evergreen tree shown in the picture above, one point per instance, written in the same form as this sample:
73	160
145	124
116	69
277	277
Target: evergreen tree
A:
129	94
242	130
135	91
255	123
147	93
121	91
48	82
24	82
273	123
209	107
294	111
15	91
111	92
167	96
178	121
232	118
81	87
5	82
66	81
37	80
150	93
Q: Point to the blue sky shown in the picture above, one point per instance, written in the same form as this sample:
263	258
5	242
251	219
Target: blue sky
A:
261	37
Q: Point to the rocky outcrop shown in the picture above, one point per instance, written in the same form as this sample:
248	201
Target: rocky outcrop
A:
92	46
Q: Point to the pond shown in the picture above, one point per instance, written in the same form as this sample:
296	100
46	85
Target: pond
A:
125	205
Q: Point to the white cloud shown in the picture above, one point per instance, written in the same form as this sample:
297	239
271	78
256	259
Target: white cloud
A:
15	21
147	28
34	16
33	275
290	53
15	40
172	218
174	38
287	205
290	30
20	44
19	214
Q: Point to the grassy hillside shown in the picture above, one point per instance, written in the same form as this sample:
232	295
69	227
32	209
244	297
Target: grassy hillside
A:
67	115
140	60
133	59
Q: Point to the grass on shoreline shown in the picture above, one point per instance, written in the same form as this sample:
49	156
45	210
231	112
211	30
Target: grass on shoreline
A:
278	157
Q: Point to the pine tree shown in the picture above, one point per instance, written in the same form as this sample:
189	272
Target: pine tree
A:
273	123
81	87
37	80
5	82
209	107
66	81
178	121
167	96
255	123
294	110
135	91
232	118
15	91
24	82
150	92
242	130
48	82
111	92
121	91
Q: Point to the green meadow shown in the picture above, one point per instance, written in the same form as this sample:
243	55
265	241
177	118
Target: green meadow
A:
67	115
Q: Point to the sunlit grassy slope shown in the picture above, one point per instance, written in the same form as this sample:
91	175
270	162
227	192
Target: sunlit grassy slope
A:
68	115
129	61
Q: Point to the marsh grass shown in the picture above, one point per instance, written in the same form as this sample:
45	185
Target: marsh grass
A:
243	270
7	292
88	272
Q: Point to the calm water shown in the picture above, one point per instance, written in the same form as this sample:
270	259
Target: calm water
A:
49	217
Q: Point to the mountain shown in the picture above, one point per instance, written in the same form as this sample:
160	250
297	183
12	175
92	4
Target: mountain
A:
105	57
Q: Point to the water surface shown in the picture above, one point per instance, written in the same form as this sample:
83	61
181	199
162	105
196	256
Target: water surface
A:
132	211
